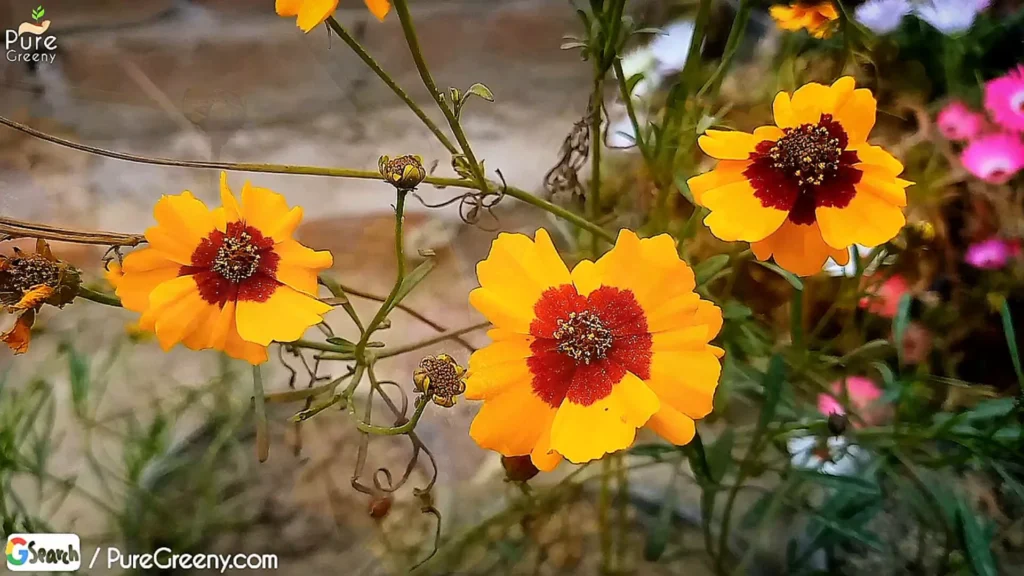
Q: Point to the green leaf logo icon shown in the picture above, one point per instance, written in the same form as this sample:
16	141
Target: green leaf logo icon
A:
38	13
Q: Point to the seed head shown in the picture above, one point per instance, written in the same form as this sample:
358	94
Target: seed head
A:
405	172
441	378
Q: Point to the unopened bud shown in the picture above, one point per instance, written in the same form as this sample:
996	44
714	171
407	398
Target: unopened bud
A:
441	378
518	468
405	172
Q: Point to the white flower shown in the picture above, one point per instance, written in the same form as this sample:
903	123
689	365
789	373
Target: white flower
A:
882	16
671	47
950	16
846	458
857	255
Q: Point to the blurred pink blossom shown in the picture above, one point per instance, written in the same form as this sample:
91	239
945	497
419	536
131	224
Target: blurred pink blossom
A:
994	158
1004	98
862	393
990	254
884	299
958	122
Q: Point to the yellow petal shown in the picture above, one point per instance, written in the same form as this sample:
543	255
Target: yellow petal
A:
205	327
513	276
542	456
288	7
268	212
672	425
727	172
857	116
888	189
177	308
314	12
486	383
782	110
736	214
232	211
512	422
379	8
673	313
798	248
143	270
727	145
284	317
810	100
299	266
182	223
650	268
583	433
868	220
686	380
876	159
235	347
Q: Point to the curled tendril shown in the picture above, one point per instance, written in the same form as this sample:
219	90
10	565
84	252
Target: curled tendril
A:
564	177
474	203
108	256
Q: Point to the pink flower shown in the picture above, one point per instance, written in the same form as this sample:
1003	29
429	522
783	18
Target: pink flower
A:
1004	98
917	343
884	299
958	122
990	254
862	392
994	158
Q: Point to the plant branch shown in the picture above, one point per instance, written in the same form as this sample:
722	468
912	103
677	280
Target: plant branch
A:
98	297
451	335
386	78
11	229
408	310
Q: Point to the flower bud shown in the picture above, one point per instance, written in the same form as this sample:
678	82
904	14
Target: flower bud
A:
441	378
380	506
837	423
518	468
405	172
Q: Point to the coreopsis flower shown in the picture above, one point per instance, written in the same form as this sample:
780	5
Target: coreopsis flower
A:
994	158
882	16
808	188
883	297
862	393
230	279
405	172
27	282
958	122
581	360
441	378
312	13
815	17
991	254
950	16
1004	99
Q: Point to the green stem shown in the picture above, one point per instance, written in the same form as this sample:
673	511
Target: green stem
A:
400	255
98	297
603	510
596	141
450	335
610	44
739	27
678	96
386	78
421	405
627	99
402	8
260	402
338	291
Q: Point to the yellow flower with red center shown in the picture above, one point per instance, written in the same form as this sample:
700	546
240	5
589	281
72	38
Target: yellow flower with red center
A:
230	279
581	360
808	188
815	17
312	13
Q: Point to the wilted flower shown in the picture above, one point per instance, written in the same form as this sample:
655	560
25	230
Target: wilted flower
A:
882	16
862	393
27	282
883	298
441	378
815	17
405	172
1004	98
990	254
958	122
950	16
994	158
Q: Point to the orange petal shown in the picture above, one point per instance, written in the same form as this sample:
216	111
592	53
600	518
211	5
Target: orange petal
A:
497	366
20	335
672	425
798	248
268	212
379	8
876	159
299	266
182	223
288	7
177	308
583	433
314	12
868	220
727	172
143	270
857	115
736	214
542	456
512	422
284	317
34	297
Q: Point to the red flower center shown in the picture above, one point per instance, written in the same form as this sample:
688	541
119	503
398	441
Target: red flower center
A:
239	264
585	345
808	168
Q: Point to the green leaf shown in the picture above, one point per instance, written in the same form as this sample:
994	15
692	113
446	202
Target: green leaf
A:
78	377
796	319
719	457
977	545
900	322
657	536
772	383
38	13
709	267
793	280
339	341
480	90
410	282
851	483
733	310
632	82
698	458
1011	341
656	451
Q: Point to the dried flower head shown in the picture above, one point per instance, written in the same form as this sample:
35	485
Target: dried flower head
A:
405	172
442	378
27	281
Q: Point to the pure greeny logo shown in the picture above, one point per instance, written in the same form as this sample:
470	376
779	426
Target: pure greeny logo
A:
30	42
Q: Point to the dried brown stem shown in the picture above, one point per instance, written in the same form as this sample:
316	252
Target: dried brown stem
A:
11	229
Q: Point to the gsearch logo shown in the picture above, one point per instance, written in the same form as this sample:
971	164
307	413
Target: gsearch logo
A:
44	552
30	43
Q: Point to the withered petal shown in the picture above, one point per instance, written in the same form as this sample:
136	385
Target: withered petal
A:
18	337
